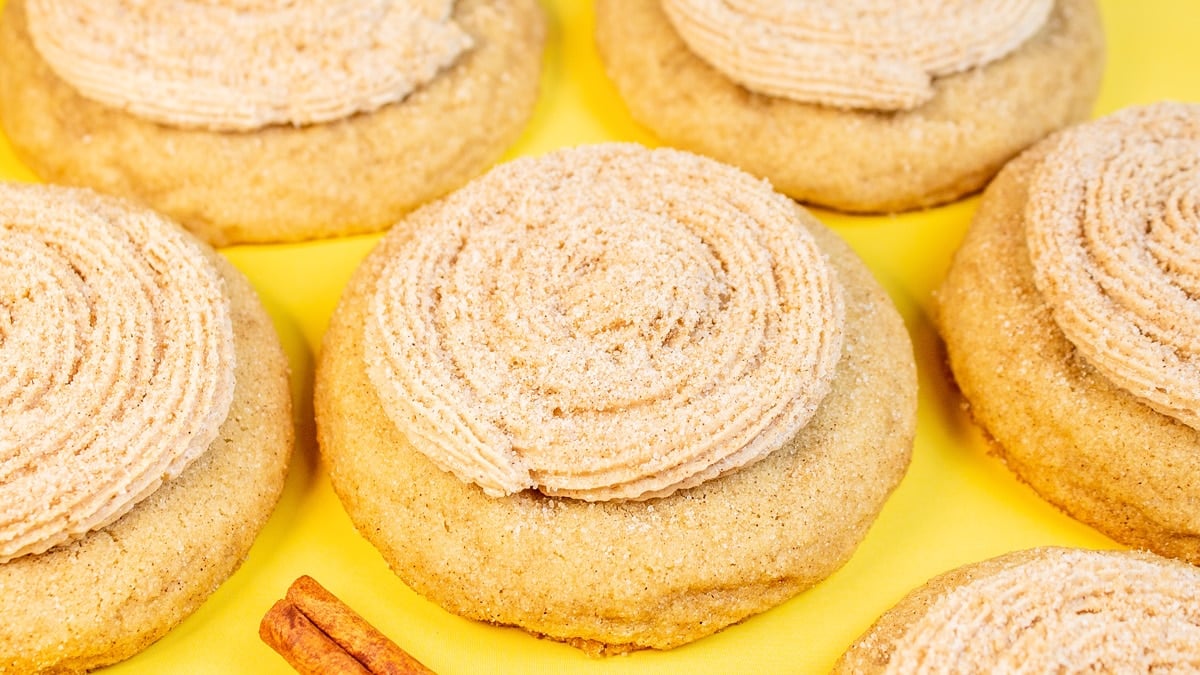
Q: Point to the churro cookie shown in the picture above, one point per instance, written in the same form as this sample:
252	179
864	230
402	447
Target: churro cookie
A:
255	121
1042	610
860	106
618	397
1070	316
145	426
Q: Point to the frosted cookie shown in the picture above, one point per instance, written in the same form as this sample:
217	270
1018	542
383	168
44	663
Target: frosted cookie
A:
145	426
617	397
836	106
1070	321
1042	610
270	120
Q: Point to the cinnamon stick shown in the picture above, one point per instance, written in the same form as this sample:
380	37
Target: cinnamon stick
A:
309	650
312	626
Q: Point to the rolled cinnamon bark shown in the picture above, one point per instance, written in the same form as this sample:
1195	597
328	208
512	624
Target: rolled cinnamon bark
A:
317	633
352	632
298	640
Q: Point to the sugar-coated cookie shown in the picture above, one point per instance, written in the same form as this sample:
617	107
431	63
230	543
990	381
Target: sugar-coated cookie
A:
1042	610
865	120
319	126
1070	320
145	426
618	397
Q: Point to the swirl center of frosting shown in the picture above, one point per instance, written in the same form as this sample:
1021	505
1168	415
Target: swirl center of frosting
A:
593	301
237	65
116	363
852	53
604	323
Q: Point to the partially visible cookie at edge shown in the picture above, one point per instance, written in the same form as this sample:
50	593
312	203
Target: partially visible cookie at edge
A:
1042	610
1069	326
284	181
847	158
106	594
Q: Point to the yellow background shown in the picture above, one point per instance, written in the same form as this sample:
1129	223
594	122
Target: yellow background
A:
956	505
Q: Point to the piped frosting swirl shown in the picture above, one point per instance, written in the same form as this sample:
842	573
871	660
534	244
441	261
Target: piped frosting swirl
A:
606	322
852	53
1113	227
237	65
116	361
1073	612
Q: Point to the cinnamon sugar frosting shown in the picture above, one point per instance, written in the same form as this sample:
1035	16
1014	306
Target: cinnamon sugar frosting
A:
1077	611
116	361
1114	235
852	53
233	65
606	322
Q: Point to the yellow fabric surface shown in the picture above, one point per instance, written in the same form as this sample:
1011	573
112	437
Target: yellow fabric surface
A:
956	505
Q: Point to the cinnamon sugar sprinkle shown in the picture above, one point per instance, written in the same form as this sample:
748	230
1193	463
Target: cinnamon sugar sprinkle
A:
1113	226
606	322
852	53
231	65
116	361
1081	611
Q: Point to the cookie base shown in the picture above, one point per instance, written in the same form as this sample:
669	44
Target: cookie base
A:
616	576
